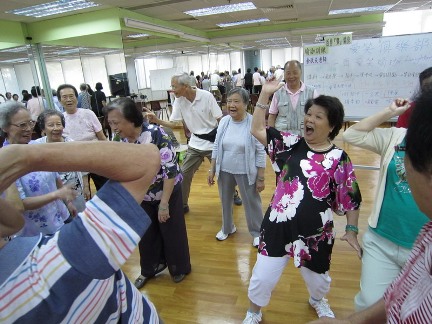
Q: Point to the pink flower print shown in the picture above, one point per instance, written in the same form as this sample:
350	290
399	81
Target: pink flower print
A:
166	155
319	185
299	251
286	199
326	216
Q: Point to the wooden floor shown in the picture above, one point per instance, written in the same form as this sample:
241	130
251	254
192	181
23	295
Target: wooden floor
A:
216	289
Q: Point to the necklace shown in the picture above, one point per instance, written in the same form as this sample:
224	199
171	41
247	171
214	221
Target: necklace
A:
320	149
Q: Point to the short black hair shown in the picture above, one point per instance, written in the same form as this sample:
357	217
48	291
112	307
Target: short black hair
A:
128	108
98	86
425	75
335	112
419	133
47	113
66	86
35	91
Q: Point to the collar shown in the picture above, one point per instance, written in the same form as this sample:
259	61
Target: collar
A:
302	88
13	254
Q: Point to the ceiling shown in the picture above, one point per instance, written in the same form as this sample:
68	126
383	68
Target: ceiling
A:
292	23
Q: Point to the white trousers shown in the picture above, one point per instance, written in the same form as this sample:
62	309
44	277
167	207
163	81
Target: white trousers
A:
382	261
266	274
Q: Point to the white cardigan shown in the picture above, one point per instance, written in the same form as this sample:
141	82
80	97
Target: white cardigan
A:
381	141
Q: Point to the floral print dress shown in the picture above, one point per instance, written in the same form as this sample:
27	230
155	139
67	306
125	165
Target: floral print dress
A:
310	187
169	167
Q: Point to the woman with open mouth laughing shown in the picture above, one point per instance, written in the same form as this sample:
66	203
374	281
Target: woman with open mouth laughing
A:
315	179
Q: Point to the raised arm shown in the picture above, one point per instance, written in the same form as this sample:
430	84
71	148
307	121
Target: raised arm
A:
104	158
152	118
258	128
396	108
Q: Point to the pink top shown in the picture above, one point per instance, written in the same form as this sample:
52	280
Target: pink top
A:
82	125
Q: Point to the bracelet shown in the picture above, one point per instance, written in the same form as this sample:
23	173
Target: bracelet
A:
260	178
163	208
260	105
351	228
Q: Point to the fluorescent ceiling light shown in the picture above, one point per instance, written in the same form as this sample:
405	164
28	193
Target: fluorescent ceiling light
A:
162	29
243	22
357	10
221	9
151	27
53	8
137	35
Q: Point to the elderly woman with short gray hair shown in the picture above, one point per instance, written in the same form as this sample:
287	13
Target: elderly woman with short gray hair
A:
238	158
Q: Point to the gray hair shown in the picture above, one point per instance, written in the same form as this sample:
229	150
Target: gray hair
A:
7	111
244	94
184	79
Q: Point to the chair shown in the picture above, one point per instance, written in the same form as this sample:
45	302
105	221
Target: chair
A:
253	99
158	110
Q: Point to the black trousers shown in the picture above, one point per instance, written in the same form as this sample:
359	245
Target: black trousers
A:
165	243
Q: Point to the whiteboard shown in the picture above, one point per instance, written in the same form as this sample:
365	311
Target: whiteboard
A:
368	74
161	79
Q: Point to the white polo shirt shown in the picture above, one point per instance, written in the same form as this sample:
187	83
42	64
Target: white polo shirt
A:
200	116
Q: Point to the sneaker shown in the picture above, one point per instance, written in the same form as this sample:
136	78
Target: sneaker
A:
237	199
252	318
256	241
322	307
221	236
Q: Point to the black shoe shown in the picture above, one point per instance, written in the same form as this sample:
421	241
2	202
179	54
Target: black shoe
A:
237	199
186	209
178	278
141	280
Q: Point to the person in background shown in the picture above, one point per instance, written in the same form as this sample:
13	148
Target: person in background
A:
248	81
15	97
2	98
8	96
234	142
206	85
47	203
26	98
84	97
315	178
256	80
36	104
287	111
57	104
395	220
425	78
240	80
165	243
75	276
52	123
409	297
80	124
98	100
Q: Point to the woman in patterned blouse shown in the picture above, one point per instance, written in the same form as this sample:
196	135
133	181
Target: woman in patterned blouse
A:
314	179
165	243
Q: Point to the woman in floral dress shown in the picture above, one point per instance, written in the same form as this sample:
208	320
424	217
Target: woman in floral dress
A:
47	202
165	243
314	179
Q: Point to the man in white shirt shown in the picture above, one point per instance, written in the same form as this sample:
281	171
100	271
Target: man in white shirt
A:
256	79
199	111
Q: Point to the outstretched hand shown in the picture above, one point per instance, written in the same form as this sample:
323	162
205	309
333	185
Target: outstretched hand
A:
150	115
399	106
272	85
351	238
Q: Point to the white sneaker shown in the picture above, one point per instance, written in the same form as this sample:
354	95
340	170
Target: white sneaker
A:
252	318
322	307
256	241
220	236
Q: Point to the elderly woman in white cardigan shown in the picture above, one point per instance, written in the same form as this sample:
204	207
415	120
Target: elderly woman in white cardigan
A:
238	158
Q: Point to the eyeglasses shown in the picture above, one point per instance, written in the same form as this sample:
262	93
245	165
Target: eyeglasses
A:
25	125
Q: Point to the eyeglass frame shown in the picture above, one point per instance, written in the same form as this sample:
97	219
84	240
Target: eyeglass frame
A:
30	123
